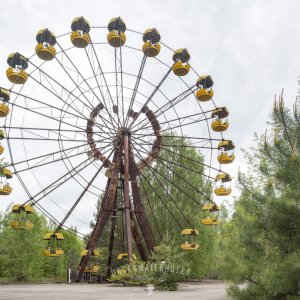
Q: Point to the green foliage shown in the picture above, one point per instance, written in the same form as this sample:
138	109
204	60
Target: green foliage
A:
176	184
164	269
261	243
56	267
173	266
21	258
20	250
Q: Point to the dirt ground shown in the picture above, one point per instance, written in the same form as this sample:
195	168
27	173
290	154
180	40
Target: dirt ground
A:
206	290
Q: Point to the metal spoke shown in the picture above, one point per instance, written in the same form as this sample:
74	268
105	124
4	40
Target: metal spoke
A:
179	119
69	92
81	196
50	162
175	185
79	73
55	184
101	93
178	165
170	104
136	86
45	155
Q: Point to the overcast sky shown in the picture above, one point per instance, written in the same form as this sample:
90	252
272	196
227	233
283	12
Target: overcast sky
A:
251	48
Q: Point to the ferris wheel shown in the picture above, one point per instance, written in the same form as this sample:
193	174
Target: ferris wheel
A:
89	113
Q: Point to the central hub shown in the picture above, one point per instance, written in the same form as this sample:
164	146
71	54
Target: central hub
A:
104	134
123	131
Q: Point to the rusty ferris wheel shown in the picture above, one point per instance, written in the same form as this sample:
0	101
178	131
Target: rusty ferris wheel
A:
88	115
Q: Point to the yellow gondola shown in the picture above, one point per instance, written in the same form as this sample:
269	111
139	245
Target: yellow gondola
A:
189	245
2	135
51	235
96	268
21	225
85	251
151	50
4	110
210	221
53	248
204	95
52	253
222	189
226	155
125	255
45	52
19	208
211	207
6	189
225	158
205	91
116	36
4	95
151	46
181	66
223	177
45	48
7	173
80	40
1	149
16	77
80	36
92	269
21	220
17	65
116	39
189	231
219	124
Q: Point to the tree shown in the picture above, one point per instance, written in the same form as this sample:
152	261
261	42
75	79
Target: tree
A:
174	190
261	242
21	250
161	271
21	258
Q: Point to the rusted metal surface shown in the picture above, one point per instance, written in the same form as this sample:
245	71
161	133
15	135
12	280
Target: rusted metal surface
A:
106	210
148	160
90	133
111	238
124	167
126	197
137	239
138	206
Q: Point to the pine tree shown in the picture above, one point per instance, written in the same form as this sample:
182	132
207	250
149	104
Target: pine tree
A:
261	242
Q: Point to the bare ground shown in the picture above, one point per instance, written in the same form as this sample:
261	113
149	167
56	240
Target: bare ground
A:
206	290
